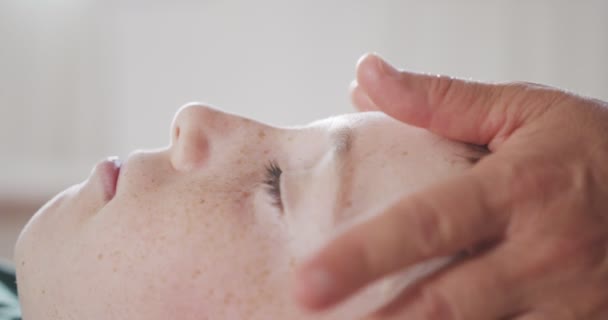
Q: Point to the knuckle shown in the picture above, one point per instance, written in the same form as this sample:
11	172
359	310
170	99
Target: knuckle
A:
360	251
533	98
440	90
373	256
566	256
372	263
434	231
447	95
534	178
522	181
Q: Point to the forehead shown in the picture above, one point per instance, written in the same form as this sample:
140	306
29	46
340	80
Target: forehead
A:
350	120
342	131
376	130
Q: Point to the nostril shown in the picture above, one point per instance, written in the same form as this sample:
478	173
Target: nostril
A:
190	145
176	134
194	127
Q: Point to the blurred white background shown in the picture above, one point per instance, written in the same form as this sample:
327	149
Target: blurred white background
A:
84	79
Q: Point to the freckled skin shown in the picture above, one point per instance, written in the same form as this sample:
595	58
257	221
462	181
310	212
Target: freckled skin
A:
194	234
261	134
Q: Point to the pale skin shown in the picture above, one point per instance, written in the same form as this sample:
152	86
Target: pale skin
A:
193	232
534	212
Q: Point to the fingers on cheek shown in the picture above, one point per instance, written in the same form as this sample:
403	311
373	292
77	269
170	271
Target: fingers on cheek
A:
480	288
419	302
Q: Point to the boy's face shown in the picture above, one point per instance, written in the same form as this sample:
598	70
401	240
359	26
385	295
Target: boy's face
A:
212	226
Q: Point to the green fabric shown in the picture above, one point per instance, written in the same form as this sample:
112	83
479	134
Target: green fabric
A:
9	305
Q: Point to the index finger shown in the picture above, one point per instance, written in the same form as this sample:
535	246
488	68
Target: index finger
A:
474	112
442	220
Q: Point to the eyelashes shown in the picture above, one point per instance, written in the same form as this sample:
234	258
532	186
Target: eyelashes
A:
272	180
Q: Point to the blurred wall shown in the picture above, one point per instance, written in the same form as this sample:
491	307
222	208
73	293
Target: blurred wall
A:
83	79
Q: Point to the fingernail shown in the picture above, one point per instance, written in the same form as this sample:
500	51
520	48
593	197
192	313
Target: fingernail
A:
115	160
361	100
369	105
317	288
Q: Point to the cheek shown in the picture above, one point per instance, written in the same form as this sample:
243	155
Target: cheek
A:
157	258
42	251
154	254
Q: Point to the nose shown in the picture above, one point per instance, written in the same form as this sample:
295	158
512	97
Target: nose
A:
193	129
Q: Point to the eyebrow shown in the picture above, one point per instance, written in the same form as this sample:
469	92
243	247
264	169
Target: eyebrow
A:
342	140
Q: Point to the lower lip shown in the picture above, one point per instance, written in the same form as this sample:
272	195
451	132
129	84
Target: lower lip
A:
108	171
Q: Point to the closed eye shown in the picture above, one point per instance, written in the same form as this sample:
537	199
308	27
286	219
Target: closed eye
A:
272	180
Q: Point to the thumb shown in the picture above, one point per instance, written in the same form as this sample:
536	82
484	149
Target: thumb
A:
468	111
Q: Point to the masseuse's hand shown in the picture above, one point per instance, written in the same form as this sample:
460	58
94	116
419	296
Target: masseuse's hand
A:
535	209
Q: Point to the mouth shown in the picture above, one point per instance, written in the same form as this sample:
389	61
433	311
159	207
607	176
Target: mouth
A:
108	172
